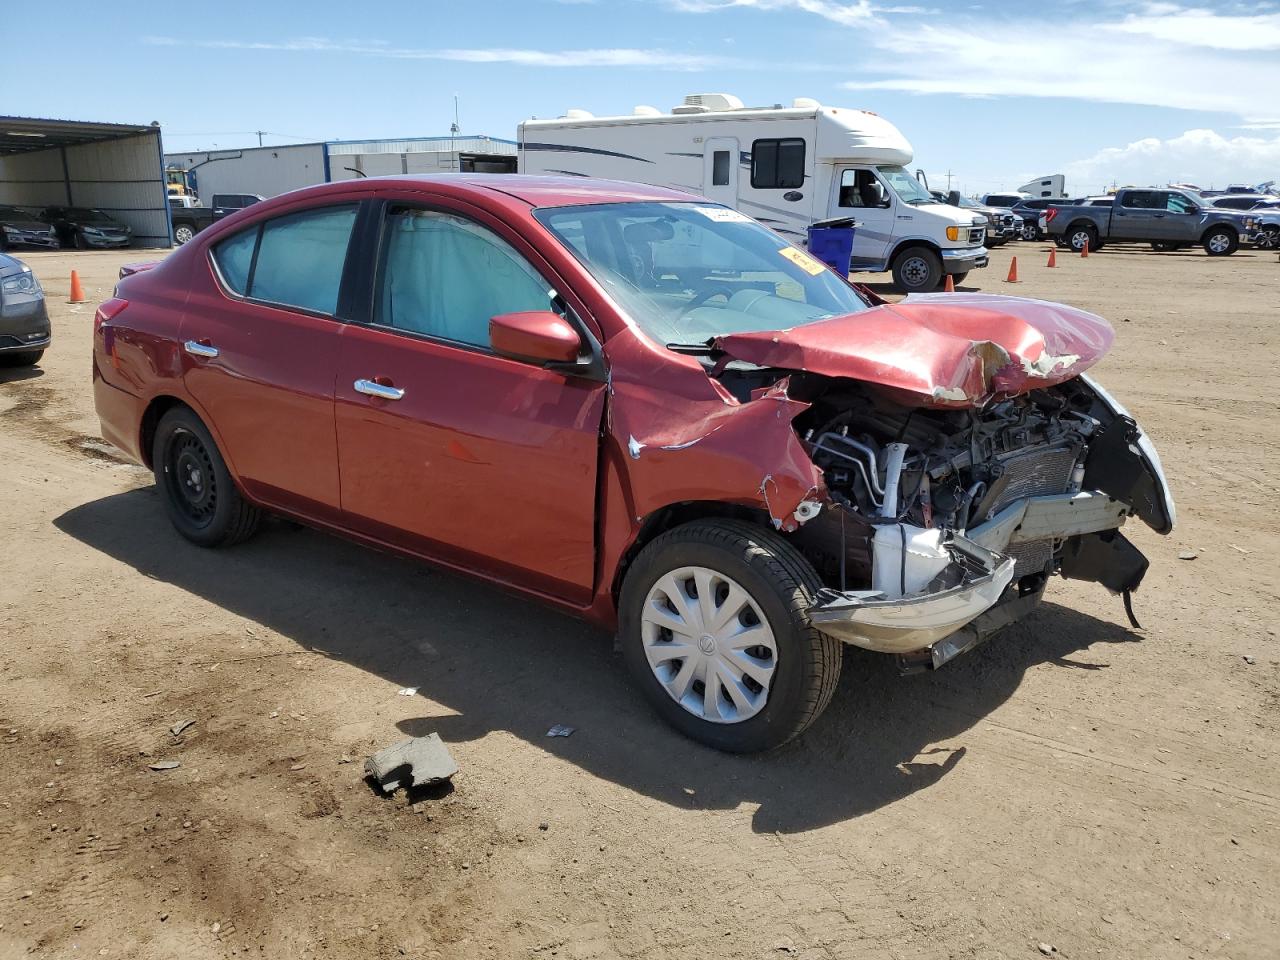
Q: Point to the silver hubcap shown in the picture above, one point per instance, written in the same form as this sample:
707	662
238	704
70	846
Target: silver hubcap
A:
1079	240
182	234
915	271
1219	242
708	644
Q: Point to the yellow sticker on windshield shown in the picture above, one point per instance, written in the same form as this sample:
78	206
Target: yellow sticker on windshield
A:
803	261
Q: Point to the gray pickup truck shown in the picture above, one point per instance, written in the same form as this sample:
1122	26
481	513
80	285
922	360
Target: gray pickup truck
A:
1167	219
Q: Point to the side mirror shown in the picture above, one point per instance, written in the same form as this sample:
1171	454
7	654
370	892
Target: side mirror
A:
538	335
953	198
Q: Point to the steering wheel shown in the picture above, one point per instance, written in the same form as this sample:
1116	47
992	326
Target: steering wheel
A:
702	296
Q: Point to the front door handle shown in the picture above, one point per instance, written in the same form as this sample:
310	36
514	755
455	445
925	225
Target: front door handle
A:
380	390
198	349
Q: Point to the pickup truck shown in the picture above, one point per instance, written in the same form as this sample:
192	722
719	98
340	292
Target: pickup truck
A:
188	220
1167	219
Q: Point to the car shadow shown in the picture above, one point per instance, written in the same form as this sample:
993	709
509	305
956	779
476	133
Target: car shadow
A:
18	374
505	663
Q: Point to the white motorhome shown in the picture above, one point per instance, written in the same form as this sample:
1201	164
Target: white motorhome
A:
787	167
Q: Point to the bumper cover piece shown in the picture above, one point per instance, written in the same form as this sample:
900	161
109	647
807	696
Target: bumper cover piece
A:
973	583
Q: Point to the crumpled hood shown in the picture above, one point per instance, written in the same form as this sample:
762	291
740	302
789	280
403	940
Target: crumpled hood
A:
945	350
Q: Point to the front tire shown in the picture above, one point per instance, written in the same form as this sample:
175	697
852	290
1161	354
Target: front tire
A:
1220	242
182	233
199	494
714	628
917	270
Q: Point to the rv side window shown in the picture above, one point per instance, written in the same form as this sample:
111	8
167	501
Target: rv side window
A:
720	168
777	164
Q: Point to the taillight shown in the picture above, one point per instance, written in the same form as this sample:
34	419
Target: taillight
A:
1050	214
108	311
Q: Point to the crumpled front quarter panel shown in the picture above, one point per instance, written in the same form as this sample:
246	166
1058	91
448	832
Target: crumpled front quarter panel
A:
940	349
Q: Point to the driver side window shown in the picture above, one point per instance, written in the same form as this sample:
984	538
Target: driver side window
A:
861	189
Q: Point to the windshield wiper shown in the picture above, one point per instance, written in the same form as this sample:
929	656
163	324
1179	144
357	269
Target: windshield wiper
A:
704	349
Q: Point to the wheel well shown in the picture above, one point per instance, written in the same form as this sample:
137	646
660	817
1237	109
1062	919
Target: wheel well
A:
665	518
906	245
1087	224
1216	228
158	407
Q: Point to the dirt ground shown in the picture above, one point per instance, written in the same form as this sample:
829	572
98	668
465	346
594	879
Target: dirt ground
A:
1108	792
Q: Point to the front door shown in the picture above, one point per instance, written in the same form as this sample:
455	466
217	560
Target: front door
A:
862	195
447	448
260	347
720	166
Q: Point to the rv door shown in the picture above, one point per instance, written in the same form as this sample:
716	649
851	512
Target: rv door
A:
720	170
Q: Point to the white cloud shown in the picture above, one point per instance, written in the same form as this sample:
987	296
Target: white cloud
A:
595	57
842	13
1204	28
1204	157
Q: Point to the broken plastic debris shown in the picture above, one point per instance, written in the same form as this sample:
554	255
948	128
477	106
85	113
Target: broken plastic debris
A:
560	730
408	691
181	725
414	762
165	765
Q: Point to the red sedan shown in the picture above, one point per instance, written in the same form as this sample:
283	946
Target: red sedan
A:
637	406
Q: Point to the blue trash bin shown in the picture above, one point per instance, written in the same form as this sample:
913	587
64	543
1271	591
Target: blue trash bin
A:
831	241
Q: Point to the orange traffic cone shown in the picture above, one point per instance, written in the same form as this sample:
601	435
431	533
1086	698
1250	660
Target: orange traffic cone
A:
1013	271
950	285
77	291
1084	251
1053	258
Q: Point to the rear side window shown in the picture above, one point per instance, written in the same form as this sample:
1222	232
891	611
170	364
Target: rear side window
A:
444	277
234	257
777	164
720	168
1144	200
298	260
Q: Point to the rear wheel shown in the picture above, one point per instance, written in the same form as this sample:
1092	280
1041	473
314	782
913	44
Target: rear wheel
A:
1030	231
183	232
714	628
198	492
1220	242
1083	233
917	270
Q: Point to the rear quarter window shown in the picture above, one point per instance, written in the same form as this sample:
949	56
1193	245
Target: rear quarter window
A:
233	257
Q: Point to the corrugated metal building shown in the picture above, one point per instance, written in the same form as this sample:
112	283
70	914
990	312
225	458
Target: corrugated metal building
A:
113	167
270	171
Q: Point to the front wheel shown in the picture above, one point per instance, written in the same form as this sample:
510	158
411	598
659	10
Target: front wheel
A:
714	628
199	493
1220	242
1268	239
917	270
182	233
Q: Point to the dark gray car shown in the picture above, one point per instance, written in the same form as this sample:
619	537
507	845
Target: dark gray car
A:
24	322
21	229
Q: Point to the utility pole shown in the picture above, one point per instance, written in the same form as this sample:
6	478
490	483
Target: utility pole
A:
949	181
454	129
259	133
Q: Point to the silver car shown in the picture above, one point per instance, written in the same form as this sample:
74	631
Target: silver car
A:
24	321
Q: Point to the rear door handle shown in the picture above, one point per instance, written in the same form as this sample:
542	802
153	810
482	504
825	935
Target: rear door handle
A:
380	390
197	349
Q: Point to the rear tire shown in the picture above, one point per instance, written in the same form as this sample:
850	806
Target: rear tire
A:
182	233
1220	242
772	586
917	270
199	494
1079	234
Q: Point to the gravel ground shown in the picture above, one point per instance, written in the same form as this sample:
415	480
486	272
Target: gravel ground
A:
1106	792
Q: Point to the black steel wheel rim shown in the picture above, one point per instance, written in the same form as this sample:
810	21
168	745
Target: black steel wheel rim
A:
189	471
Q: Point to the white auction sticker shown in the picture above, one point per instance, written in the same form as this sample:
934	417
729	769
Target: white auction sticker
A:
723	215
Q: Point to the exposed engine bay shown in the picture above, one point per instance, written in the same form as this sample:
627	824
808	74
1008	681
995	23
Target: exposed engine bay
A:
943	524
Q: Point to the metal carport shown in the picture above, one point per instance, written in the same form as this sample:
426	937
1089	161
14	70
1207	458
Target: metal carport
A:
114	167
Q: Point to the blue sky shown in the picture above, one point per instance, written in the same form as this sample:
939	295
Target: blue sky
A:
994	92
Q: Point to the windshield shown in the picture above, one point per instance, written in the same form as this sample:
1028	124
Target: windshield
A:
689	272
907	187
969	204
13	213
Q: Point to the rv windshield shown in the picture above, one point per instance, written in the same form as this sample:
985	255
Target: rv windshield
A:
907	187
687	273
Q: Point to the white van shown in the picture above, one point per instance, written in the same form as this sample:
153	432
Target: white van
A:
787	167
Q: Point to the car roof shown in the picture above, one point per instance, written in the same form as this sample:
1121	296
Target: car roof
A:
536	191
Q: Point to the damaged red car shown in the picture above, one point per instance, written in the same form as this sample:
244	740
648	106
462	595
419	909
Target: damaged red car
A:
640	407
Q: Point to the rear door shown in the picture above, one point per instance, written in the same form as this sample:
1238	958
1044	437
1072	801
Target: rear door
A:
1133	216
447	448
260	346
